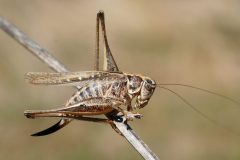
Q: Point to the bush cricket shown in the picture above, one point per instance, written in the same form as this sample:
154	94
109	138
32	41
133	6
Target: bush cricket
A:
108	91
101	92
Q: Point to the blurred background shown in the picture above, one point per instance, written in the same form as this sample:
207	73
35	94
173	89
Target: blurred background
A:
190	42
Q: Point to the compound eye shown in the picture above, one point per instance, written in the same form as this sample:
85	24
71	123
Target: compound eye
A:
149	84
149	81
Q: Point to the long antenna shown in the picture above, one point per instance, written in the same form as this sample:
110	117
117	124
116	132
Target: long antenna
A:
201	113
201	89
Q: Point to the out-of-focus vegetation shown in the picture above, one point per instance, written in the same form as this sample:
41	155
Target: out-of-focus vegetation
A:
191	42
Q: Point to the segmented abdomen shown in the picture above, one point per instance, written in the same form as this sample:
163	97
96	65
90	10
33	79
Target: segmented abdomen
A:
115	89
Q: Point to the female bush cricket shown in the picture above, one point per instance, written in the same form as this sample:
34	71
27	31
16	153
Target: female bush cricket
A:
108	92
101	92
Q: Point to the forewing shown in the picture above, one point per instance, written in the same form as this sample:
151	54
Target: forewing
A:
71	78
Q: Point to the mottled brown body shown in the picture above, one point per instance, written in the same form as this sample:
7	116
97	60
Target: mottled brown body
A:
108	92
108	88
104	91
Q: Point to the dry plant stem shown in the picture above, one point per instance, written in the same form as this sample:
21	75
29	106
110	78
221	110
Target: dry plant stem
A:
54	64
